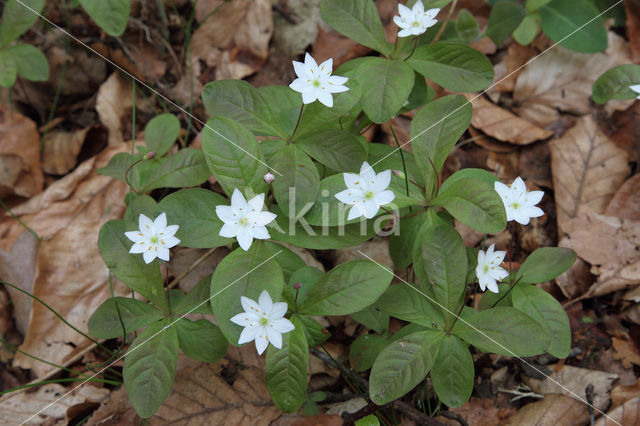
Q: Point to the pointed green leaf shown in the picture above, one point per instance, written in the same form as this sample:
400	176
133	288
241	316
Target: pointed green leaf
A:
614	84
548	313
358	20
575	24
502	330
545	264
347	288
504	19
105	322
31	62
18	18
8	69
185	168
296	190
196	301
402	365
194	210
527	30
110	15
150	367
201	340
453	372
234	158
336	149
364	351
386	85
373	318
286	369
453	66
314	331
405	303
161	132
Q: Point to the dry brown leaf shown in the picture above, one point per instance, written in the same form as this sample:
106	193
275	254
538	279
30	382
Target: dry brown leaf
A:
61	150
633	29
554	409
517	56
183	257
621	394
562	79
504	125
626	352
481	412
234	39
576	380
18	407
319	420
20	171
576	281
376	250
69	274
625	204
611	245
587	170
200	396
626	414
330	44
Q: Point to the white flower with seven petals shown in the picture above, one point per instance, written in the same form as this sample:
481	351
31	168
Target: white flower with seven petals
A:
519	204
154	239
244	219
366	192
489	270
416	20
636	88
316	82
263	322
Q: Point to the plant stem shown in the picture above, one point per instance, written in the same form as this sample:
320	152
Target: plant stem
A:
4	206
70	379
133	143
193	266
404	164
298	122
445	22
57	315
413	49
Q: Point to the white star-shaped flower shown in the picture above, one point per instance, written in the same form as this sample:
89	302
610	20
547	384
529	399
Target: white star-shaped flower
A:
244	219
489	270
154	239
636	88
519	204
263	322
366	192
316	82
416	20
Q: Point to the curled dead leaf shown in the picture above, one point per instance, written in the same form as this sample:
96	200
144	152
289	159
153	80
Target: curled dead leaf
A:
625	203
61	150
20	170
626	414
554	409
587	170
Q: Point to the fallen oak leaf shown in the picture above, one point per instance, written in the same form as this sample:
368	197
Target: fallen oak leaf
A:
625	203
587	170
554	409
626	414
626	352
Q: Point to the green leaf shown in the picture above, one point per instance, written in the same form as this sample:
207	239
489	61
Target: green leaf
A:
130	268
452	373
241	102
298	232
372	318
527	30
285	104
505	17
314	331
18	18
31	62
336	149
405	303
235	165
443	264
489	298
386	85
105	323
150	367
502	330
420	95
8	69
286	369
453	66
243	273
477	174
140	203
545	264
364	351
614	84
161	132
201	340
472	259
186	168
548	313
194	210
110	15
296	190
435	129
467	26
347	288
563	21
401	244
533	5
288	260
197	300
118	165
402	365
307	276
474	203
358	20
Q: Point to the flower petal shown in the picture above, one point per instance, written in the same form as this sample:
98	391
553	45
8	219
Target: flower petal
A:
261	218
170	231
405	32
354	212
250	305
283	325
265	302
237	200
225	213
325	98
326	67
309	96
274	337
533	211
382	181
248	334
245	238
245	319
404	10
260	232
370	208
261	342
300	85
149	255
135	236
139	247
367	173
418	8
492	285
635	88
310	62
257	202
170	242
518	186
503	190
385	197
431	13
160	223
229	230
277	311
145	223
533	197
301	71
349	196
163	253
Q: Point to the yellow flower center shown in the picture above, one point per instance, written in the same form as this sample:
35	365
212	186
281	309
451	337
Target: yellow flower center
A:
316	83
244	221
368	195
154	239
485	268
264	321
